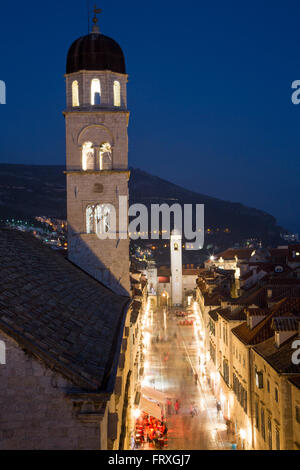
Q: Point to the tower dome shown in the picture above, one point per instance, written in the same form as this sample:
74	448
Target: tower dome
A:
95	52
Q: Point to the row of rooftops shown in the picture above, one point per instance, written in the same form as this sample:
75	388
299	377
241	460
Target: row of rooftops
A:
187	270
268	313
290	253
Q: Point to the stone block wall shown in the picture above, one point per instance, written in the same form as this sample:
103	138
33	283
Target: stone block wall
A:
106	260
34	412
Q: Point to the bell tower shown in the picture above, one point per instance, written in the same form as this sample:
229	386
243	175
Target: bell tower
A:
176	267
97	173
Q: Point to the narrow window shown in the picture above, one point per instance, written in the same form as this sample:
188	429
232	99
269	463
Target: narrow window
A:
262	423
90	219
75	94
105	157
277	437
102	216
95	92
117	93
87	156
270	433
256	415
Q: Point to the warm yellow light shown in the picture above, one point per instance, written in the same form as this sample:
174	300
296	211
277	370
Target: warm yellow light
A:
136	413
75	93
117	93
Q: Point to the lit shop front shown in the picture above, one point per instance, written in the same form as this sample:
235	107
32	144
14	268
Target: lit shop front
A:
150	429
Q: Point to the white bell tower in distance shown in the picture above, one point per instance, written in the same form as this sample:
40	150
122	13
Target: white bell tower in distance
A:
176	267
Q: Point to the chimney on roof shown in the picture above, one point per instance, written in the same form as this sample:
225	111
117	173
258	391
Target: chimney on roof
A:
285	328
269	293
253	320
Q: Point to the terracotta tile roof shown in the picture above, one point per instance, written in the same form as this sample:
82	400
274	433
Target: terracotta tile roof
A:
273	291
63	316
278	281
231	253
285	323
279	253
279	358
257	312
212	299
230	315
263	330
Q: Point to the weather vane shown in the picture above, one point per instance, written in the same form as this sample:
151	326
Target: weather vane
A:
97	11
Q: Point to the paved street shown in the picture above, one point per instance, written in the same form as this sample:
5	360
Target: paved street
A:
171	365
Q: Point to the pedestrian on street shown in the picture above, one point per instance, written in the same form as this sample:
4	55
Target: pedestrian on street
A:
192	410
176	406
169	406
196	378
218	407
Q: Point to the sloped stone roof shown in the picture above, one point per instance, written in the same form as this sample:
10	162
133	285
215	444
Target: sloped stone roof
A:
279	358
56	311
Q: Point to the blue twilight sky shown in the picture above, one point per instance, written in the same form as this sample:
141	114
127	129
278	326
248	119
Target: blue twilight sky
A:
209	91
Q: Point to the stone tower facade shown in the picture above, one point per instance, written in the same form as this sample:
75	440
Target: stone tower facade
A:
176	267
96	120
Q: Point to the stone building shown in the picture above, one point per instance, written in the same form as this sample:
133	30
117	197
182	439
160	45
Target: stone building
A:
247	360
66	337
275	396
70	329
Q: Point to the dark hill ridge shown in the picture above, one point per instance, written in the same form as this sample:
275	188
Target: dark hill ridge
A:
27	191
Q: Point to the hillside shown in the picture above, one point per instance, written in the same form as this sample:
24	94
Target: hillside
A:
27	191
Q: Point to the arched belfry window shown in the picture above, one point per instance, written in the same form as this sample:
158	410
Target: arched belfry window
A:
99	219
103	222
88	157
117	93
75	93
90	219
95	92
105	156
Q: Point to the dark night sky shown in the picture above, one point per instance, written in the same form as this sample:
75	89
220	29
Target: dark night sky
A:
209	91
